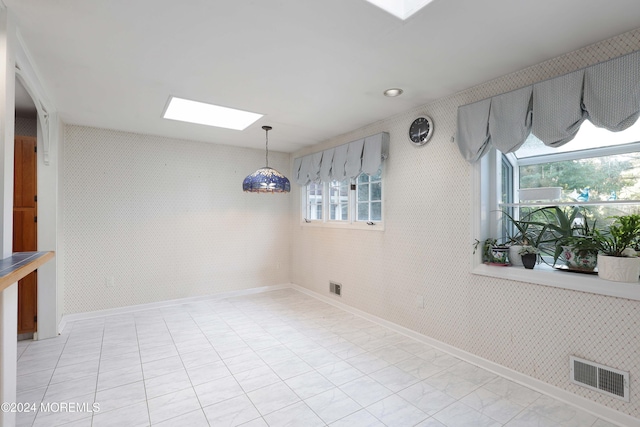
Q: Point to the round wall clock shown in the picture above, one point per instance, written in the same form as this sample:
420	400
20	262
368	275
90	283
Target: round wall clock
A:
421	130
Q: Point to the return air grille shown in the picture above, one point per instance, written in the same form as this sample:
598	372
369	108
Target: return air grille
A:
603	379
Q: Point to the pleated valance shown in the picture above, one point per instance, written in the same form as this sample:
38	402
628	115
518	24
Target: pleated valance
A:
607	94
344	161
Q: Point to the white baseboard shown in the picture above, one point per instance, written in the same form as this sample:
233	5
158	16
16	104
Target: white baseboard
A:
161	304
597	409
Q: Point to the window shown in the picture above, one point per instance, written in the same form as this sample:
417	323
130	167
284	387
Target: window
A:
598	170
358	204
339	200
369	189
313	209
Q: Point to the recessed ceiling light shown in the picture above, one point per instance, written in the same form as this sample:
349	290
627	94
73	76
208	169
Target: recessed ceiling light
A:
402	9
393	92
208	114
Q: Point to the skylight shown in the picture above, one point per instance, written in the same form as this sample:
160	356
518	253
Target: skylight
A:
201	113
403	9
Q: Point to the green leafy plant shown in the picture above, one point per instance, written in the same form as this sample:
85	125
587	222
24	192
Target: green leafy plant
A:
557	226
527	249
622	236
488	245
583	244
528	232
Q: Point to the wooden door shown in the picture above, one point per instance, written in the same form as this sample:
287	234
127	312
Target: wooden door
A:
25	237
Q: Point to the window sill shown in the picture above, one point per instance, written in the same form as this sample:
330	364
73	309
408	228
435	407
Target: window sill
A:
379	226
547	276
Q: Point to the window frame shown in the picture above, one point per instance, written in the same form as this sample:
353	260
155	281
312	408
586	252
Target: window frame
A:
329	186
486	178
369	202
352	222
308	206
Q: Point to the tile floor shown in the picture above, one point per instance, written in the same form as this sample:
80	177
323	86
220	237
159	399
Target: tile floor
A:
274	359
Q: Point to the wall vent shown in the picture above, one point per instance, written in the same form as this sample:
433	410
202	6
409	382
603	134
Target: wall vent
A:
335	288
603	379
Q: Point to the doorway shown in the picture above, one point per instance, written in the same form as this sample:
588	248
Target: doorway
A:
25	237
25	206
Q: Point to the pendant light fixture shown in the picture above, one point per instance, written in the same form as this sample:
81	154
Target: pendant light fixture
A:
266	179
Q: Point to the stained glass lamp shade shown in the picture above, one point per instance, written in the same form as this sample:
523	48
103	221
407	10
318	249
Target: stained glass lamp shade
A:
266	179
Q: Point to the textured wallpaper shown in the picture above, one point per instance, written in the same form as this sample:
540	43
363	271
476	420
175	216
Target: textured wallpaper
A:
162	219
26	127
425	250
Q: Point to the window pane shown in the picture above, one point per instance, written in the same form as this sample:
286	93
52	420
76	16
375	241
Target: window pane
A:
345	212
363	211
600	178
376	211
332	212
344	190
334	195
363	178
377	176
376	191
363	192
313	209
311	212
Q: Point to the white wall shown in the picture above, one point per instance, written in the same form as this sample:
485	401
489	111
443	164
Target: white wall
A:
48	239
425	251
9	296
166	219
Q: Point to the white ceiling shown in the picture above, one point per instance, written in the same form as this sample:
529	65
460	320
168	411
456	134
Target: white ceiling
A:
315	68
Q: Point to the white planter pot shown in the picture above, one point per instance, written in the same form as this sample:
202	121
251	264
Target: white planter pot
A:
514	256
541	193
619	269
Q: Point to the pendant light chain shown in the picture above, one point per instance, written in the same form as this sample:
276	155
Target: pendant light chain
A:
267	147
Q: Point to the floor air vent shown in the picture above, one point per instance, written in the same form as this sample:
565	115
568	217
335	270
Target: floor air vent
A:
603	379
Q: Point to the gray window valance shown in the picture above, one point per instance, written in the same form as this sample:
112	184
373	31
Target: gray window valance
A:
344	161
607	94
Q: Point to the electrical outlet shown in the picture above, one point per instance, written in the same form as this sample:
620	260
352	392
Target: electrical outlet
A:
109	282
335	288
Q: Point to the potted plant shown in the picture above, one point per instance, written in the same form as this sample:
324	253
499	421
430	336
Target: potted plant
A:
617	260
520	232
579	250
580	253
492	252
530	230
558	228
561	224
517	239
529	255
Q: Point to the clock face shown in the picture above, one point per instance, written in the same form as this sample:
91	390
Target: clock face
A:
421	130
